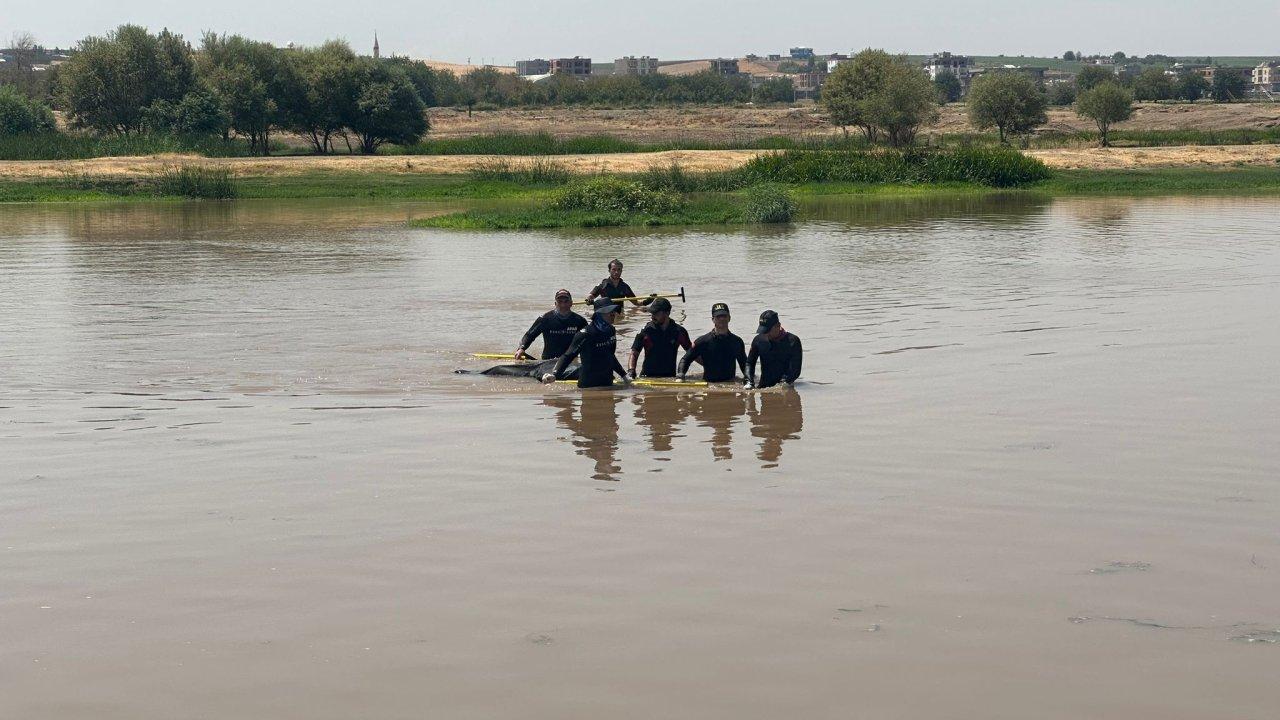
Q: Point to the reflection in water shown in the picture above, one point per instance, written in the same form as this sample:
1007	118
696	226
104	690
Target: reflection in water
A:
775	417
594	428
592	418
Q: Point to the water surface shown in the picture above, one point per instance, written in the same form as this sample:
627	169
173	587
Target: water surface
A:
1031	470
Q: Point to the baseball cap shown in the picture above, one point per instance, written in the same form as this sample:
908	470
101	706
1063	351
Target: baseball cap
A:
768	319
562	293
660	305
604	304
719	309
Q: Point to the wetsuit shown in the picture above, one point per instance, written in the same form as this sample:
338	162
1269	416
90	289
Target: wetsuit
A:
557	332
780	359
611	291
719	355
597	347
659	345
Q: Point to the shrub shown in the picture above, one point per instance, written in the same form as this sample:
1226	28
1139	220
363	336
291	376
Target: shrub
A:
19	114
538	171
196	182
996	167
611	194
768	203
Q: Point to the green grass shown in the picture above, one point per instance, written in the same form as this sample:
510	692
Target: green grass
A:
700	213
79	146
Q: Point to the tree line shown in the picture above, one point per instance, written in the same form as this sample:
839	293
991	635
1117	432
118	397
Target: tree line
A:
888	98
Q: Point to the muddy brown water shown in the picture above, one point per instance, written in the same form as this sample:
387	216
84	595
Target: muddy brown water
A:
1031	470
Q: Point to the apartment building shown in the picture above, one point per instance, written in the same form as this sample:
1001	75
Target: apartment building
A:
725	66
959	65
1266	78
533	67
632	65
574	66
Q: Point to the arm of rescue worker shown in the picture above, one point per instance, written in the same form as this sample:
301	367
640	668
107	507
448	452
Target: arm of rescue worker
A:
570	355
535	330
594	292
693	353
793	364
617	367
751	364
635	353
742	361
685	342
647	301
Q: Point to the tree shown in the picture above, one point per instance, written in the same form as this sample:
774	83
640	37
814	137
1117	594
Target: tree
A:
1191	86
776	90
198	113
387	110
112	80
883	95
329	88
20	71
255	82
1118	56
20	114
1091	76
1228	85
948	86
1061	94
1105	104
1069	56
1008	101
1153	85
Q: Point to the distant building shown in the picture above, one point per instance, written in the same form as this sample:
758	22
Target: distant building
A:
1266	78
774	57
377	51
959	65
574	66
529	68
724	66
632	65
1211	73
801	53
808	85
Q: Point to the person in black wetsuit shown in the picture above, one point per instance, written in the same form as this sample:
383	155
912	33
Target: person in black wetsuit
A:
597	347
615	287
557	328
778	352
720	352
659	340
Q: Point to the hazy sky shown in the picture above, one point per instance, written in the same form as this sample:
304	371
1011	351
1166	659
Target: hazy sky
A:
500	31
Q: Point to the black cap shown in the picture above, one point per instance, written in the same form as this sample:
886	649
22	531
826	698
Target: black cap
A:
562	293
660	305
719	309
604	304
768	319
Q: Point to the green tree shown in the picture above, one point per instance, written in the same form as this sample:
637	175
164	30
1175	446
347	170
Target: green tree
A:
1061	94
1091	76
1153	85
1069	56
1008	101
883	95
329	88
1105	104
387	110
1191	86
1228	85
776	90
20	114
948	86
255	82
111	81
198	113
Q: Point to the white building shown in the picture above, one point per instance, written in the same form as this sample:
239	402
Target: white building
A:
959	65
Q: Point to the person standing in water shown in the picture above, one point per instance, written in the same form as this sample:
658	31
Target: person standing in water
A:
557	328
659	340
597	346
614	286
720	352
778	352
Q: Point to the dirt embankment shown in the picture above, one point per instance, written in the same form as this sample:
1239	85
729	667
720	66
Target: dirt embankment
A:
698	160
727	124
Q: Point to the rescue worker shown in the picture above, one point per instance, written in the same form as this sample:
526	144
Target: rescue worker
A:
557	328
779	353
658	339
720	352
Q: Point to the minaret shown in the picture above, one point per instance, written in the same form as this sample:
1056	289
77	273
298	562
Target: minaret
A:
376	54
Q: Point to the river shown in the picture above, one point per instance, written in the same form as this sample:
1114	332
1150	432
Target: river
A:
1031	469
